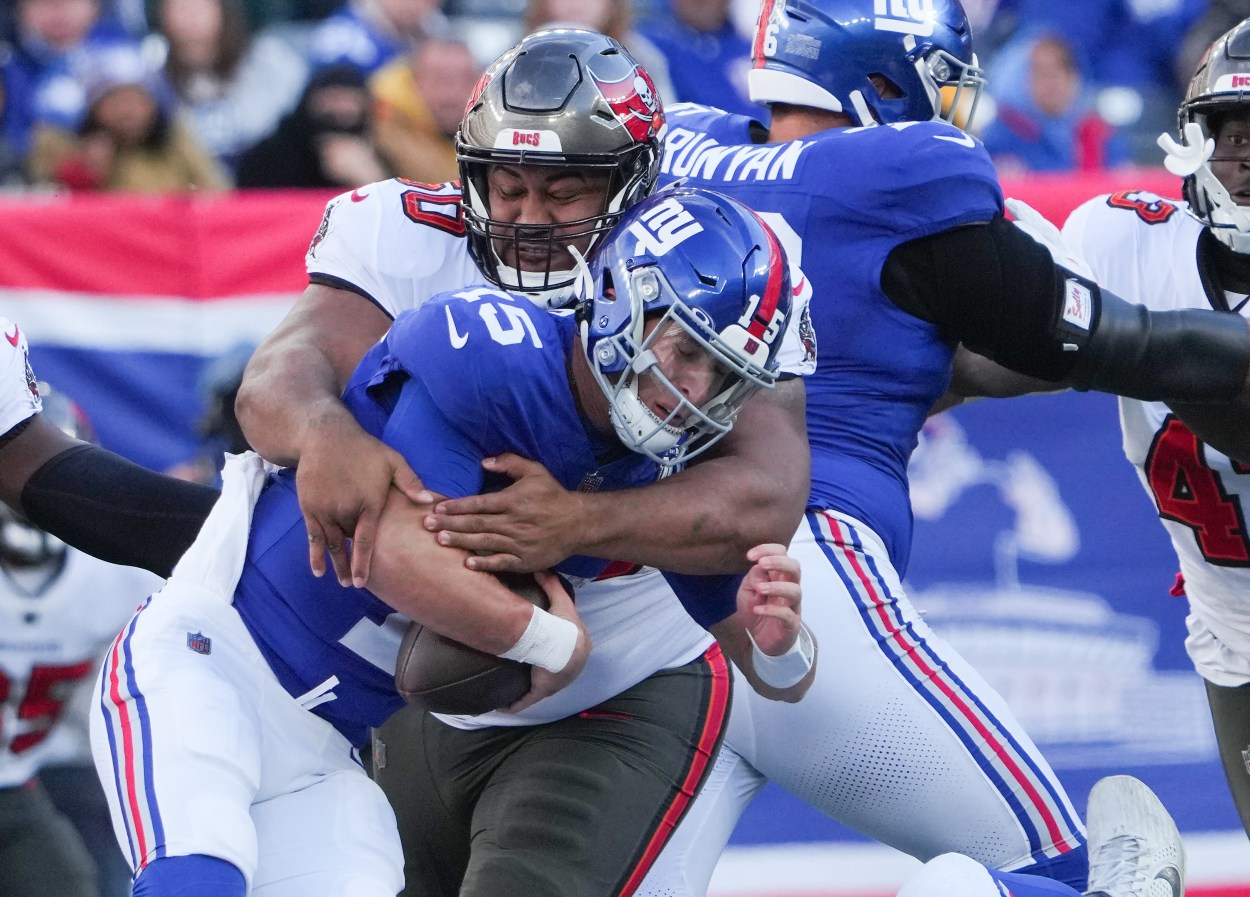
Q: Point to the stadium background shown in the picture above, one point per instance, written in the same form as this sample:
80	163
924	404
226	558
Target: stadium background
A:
1028	516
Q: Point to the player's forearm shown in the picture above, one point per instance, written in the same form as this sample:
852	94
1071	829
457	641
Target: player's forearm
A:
290	390
429	583
705	519
288	394
731	634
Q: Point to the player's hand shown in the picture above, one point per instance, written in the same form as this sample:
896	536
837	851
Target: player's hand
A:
1035	224
527	527
343	479
1191	153
544	683
770	599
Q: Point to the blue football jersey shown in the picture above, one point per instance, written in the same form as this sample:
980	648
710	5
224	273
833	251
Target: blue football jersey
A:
467	375
840	201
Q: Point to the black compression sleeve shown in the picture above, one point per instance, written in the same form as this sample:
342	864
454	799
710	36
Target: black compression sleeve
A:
998	291
1186	355
991	287
108	507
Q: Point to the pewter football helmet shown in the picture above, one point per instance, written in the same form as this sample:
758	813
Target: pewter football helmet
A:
562	97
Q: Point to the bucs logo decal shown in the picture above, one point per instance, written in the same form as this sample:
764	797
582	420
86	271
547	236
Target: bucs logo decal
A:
31	383
323	229
635	103
478	89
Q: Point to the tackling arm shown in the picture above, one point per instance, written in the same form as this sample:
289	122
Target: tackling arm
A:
289	408
751	489
99	502
706	518
289	397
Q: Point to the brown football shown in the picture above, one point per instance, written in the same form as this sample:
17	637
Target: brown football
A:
445	676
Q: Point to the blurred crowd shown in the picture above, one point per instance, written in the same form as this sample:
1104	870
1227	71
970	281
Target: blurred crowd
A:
158	95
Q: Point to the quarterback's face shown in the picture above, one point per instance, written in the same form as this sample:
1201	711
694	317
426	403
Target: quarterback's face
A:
540	197
1231	160
686	364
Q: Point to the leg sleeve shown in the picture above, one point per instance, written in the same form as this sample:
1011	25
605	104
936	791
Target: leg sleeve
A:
1230	711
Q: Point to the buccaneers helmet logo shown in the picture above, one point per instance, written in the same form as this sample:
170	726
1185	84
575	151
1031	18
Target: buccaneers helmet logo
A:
635	103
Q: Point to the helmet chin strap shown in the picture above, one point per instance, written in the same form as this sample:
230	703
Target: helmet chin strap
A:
532	283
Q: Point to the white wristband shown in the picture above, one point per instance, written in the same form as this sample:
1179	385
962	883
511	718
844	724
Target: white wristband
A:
548	642
786	669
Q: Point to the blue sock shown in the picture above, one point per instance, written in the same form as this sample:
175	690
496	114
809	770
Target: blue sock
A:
190	876
1019	885
1071	868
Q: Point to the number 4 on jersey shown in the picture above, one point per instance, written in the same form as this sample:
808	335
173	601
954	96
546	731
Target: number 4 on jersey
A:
1189	492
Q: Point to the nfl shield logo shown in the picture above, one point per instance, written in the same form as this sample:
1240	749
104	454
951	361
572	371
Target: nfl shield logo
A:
1245	758
199	643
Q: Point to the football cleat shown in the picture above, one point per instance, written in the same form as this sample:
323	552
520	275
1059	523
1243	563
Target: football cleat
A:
1135	849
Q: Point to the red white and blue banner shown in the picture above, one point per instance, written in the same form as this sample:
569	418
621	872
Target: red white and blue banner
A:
1037	553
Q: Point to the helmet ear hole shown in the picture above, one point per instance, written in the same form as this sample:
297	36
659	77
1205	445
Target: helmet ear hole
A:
886	89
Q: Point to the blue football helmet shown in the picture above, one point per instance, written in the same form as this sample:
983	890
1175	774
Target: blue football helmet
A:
825	54
711	275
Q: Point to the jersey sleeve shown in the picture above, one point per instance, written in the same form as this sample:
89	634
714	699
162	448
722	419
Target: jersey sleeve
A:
391	242
19	394
708	599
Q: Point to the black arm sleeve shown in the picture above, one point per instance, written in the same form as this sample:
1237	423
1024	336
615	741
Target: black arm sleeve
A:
995	289
117	511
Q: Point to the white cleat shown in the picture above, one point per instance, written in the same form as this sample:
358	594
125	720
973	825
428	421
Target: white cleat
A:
1134	847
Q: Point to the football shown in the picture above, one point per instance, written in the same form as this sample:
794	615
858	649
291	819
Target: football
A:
445	676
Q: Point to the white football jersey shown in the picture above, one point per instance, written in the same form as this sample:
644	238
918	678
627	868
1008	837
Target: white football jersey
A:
19	398
401	243
1143	249
51	641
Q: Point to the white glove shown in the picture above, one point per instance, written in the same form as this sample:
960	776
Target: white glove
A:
1186	157
1033	223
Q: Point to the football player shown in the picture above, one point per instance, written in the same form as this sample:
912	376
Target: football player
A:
232	706
59	610
92	499
897	220
1174	256
561	135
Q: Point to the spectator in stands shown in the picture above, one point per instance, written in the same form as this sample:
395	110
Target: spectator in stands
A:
233	86
40	73
707	57
418	101
128	138
1045	117
368	34
615	18
326	142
